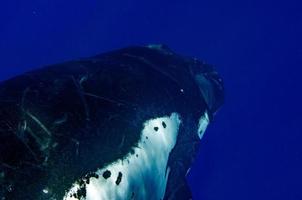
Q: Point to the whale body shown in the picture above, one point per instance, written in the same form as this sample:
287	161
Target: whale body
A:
125	124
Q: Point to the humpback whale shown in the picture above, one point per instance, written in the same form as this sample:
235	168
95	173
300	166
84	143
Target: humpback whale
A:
124	124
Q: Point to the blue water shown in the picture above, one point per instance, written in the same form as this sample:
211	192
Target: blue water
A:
253	149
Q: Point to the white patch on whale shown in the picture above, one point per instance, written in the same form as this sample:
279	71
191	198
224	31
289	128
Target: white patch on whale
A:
203	124
141	175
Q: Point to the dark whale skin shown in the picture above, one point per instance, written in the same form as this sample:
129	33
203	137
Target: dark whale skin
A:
60	122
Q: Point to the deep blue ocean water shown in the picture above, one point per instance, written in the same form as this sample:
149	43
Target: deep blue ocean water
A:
253	149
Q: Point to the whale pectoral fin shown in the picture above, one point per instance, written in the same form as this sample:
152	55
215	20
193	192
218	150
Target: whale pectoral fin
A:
182	192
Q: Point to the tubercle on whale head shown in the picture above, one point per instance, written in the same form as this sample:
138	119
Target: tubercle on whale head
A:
210	85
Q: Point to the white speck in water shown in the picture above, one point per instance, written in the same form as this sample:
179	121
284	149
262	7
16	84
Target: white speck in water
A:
45	191
182	90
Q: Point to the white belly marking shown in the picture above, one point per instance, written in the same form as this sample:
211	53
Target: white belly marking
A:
141	175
